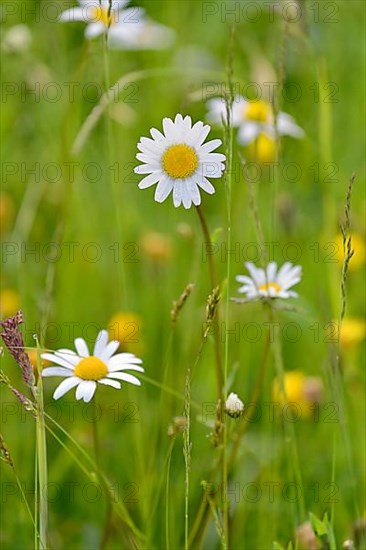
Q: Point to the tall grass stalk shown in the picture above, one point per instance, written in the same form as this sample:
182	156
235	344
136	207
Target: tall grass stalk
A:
187	456
167	501
228	140
110	148
41	459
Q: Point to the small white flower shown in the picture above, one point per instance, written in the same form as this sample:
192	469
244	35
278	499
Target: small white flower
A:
234	406
253	118
270	283
127	28
84	370
179	162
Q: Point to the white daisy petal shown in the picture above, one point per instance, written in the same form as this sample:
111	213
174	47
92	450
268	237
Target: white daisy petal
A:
195	132
146	144
243	279
157	135
100	343
211	169
72	360
150	180
271	271
58	360
136	368
287	126
205	185
257	274
186	196
143	169
81	347
65	386
177	193
163	189
65	351
211	146
109	350
94	29
193	192
125	377
248	132
85	390
124	359
56	371
74	14
216	158
108	382
168	126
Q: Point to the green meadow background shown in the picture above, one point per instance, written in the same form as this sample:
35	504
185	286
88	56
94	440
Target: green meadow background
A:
91	198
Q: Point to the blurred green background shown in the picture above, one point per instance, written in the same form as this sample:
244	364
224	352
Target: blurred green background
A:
107	215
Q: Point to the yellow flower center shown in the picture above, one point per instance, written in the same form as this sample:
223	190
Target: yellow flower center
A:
267	286
91	368
180	161
101	14
259	111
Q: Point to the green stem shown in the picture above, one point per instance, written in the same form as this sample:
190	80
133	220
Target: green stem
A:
187	458
167	543
42	467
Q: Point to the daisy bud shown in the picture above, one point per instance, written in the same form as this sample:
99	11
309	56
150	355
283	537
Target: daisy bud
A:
234	407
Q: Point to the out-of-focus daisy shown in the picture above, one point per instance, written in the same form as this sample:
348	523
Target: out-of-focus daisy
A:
270	282
33	356
7	211
253	118
9	302
127	28
85	371
156	246
353	331
125	326
303	390
179	161
234	406
359	248
262	149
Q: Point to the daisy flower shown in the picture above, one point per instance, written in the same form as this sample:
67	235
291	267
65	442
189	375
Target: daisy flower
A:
269	282
179	161
253	118
84	371
127	28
